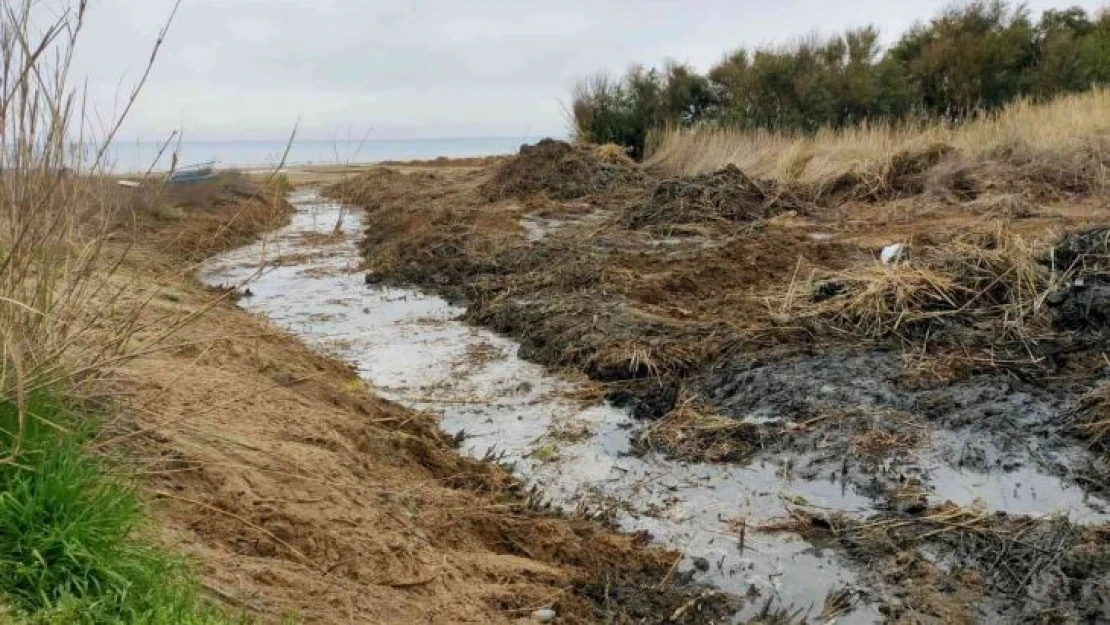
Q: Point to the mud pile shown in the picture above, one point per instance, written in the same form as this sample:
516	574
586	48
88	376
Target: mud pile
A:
1083	302
560	171
727	194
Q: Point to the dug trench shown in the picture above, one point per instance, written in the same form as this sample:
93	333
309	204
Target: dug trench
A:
959	389
302	495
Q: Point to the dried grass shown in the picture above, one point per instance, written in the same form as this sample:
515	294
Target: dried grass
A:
1091	416
996	278
1062	143
69	318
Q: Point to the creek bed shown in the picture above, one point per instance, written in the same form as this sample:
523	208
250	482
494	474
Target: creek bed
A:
411	348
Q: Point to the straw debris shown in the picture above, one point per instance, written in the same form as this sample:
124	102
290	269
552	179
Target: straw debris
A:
990	284
561	171
727	194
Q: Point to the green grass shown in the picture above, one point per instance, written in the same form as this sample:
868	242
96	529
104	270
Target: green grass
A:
75	545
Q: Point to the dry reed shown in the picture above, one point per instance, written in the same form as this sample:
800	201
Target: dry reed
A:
68	317
1066	140
996	279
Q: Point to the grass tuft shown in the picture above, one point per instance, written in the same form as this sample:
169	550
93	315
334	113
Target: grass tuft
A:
74	540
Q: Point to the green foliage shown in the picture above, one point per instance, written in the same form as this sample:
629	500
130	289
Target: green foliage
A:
73	541
811	84
968	59
625	111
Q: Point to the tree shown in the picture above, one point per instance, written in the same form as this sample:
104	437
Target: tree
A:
969	58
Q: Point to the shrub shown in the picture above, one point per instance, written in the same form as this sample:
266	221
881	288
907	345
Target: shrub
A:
969	59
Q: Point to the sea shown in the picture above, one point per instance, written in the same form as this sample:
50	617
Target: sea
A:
140	156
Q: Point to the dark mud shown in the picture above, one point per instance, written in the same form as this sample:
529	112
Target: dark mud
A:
949	564
852	414
625	601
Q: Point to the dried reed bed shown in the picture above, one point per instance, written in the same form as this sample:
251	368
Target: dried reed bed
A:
55	219
996	280
1065	141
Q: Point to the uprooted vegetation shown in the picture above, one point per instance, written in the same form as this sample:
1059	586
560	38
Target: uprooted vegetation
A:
993	283
735	295
561	171
727	194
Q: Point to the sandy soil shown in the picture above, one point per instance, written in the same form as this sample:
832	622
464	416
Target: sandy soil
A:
301	493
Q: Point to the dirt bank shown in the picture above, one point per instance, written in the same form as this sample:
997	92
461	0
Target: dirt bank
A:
301	493
752	322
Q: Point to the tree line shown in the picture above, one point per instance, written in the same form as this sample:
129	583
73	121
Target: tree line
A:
967	60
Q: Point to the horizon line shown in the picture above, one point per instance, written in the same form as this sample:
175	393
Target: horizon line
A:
333	140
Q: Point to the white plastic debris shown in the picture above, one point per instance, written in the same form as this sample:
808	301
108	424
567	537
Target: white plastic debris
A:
893	253
131	184
546	615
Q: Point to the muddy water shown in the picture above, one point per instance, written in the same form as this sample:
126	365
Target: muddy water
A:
410	347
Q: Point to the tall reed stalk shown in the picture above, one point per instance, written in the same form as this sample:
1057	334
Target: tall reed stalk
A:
57	211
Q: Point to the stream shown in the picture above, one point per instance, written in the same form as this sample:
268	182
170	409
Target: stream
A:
411	348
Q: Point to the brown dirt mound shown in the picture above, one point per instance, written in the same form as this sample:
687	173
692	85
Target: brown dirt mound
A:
561	171
727	194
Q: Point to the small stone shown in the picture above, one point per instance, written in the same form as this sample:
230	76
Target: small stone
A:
701	564
546	615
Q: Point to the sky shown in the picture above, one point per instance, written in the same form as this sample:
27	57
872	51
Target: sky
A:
392	69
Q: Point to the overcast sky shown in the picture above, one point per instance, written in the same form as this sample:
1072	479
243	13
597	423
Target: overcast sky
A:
249	69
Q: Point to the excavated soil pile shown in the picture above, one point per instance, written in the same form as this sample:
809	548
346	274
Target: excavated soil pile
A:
559	170
727	194
771	330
